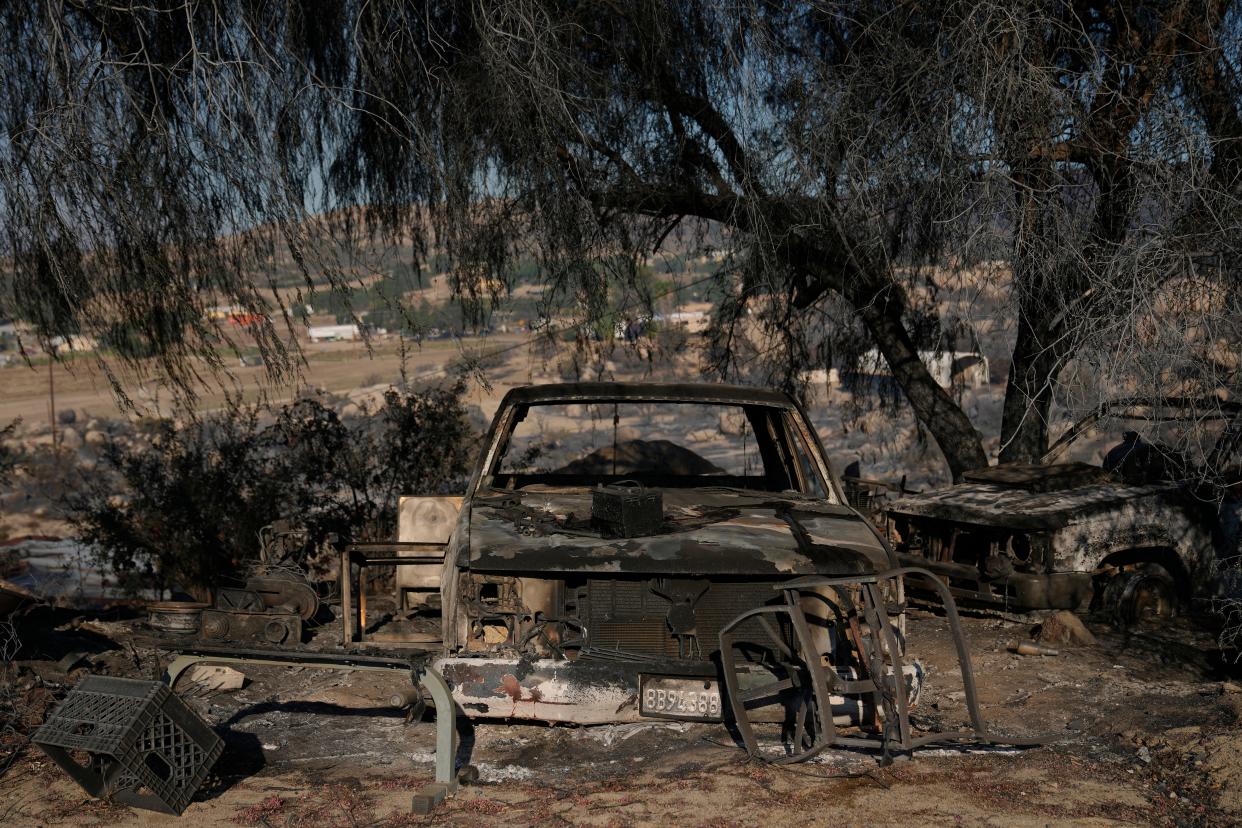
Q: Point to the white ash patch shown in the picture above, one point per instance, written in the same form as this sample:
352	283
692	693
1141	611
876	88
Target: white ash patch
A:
503	773
609	735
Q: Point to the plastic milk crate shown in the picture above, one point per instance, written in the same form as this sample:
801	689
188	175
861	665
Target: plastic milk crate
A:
141	745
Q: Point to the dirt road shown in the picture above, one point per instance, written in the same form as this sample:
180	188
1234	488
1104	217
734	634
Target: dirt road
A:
80	384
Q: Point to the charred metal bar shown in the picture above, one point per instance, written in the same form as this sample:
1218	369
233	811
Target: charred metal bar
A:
395	546
347	600
189	656
420	672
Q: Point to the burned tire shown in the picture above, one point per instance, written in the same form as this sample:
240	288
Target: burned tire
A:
1147	593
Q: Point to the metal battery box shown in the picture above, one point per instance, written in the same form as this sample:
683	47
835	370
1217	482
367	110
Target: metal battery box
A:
626	511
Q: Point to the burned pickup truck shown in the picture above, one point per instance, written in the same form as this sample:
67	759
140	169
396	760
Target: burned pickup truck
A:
1137	536
611	532
638	551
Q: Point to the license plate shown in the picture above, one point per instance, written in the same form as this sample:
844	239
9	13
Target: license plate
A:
679	698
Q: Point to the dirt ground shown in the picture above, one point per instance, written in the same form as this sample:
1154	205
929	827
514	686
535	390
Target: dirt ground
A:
1145	731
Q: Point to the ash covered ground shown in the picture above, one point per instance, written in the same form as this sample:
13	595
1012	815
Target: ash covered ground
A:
1145	731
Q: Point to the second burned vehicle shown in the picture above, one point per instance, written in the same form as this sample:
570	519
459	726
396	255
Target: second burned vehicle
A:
1140	535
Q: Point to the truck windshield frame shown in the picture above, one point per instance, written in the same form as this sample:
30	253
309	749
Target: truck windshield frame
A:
592	441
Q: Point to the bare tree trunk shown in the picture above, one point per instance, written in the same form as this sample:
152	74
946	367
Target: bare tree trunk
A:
1032	371
957	438
1028	398
881	306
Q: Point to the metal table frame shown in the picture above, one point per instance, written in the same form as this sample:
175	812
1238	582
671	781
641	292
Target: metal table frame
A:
814	730
364	555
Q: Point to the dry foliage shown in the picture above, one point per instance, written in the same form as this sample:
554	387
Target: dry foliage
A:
854	160
185	507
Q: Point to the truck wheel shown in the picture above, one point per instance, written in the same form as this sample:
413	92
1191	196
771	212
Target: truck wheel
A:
1145	593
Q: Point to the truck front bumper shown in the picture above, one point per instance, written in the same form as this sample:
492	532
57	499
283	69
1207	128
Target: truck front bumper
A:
602	692
1020	591
545	689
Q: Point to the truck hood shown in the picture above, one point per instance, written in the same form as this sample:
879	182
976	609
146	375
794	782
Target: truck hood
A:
705	532
1007	503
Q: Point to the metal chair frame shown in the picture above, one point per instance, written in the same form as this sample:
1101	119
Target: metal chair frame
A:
815	719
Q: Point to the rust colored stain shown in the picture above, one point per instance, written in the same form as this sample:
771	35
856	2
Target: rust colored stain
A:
510	686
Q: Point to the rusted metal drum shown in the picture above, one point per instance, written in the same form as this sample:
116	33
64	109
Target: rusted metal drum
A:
179	617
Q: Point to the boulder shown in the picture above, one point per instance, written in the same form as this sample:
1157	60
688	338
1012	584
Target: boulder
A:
70	439
95	438
1066	629
350	410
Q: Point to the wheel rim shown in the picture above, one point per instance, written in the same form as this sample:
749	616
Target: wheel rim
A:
1151	599
1141	596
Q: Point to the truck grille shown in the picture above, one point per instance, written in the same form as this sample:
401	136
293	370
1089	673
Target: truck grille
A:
631	617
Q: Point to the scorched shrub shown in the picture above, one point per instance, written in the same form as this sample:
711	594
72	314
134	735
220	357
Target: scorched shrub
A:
184	508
